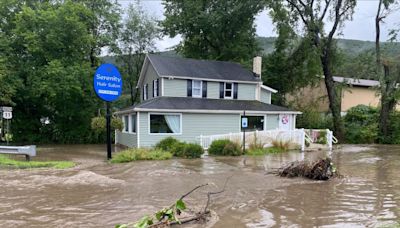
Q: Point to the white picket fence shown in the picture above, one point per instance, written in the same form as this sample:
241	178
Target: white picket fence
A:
297	137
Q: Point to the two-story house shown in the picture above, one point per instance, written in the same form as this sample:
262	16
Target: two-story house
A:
186	98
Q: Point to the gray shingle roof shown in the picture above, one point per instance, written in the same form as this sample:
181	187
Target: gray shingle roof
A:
187	103
207	69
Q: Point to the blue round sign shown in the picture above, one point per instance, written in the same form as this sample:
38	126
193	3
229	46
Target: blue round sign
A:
107	82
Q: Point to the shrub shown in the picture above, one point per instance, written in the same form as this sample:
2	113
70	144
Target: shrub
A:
135	154
217	146
232	149
322	138
281	145
361	124
255	144
312	119
167	144
187	150
192	150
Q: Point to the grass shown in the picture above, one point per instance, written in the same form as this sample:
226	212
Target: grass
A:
5	161
264	151
135	154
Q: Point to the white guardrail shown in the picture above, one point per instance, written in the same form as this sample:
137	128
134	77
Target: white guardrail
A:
28	151
298	137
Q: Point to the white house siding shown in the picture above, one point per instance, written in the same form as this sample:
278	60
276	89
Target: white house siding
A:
213	90
246	91
265	96
150	76
126	139
272	122
193	125
175	87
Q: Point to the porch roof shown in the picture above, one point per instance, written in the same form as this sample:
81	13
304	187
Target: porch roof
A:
188	104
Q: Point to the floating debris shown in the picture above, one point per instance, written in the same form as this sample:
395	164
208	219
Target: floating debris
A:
322	169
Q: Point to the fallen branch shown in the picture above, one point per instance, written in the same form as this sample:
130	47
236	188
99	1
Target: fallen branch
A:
321	169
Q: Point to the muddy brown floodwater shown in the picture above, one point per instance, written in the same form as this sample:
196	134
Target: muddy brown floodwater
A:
98	194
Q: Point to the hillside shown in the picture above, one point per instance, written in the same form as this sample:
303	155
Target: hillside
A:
349	47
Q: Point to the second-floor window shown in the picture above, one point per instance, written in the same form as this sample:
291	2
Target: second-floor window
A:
197	87
155	88
228	90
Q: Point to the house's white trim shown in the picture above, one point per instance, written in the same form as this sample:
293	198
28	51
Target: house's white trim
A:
164	113
138	129
201	89
258	92
204	111
207	79
269	88
162	86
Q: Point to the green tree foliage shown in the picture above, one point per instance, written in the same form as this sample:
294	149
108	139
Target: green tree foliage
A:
138	36
221	30
311	16
46	69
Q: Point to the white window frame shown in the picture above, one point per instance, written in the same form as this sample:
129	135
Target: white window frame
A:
125	124
145	92
158	113
201	88
130	123
155	86
231	89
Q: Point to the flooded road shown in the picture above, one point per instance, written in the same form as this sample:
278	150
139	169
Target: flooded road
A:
98	194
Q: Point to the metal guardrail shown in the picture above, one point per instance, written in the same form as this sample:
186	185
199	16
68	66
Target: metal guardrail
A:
28	151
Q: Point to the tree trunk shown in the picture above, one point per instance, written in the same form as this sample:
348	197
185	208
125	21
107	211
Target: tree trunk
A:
334	104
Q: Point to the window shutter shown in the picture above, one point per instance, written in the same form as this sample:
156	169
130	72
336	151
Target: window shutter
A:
221	90
204	89
235	90
154	82
189	88
147	92
143	92
158	87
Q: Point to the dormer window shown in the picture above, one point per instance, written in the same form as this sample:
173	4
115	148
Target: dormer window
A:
228	90
155	88
197	87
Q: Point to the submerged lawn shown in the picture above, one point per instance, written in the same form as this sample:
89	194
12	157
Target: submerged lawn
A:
264	151
5	161
135	154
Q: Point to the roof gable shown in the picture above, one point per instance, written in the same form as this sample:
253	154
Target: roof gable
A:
200	69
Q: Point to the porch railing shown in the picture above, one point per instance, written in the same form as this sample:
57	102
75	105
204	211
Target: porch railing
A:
296	137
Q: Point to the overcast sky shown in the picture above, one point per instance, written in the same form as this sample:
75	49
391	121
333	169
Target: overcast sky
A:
361	28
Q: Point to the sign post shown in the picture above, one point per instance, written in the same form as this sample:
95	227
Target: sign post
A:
244	126
6	117
107	83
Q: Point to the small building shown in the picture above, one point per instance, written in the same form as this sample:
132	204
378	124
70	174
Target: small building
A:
352	92
188	98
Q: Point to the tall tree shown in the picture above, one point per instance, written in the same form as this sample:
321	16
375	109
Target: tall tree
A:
221	30
104	24
313	15
138	36
387	71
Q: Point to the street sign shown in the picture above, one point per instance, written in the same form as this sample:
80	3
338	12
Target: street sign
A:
107	82
244	122
7	115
